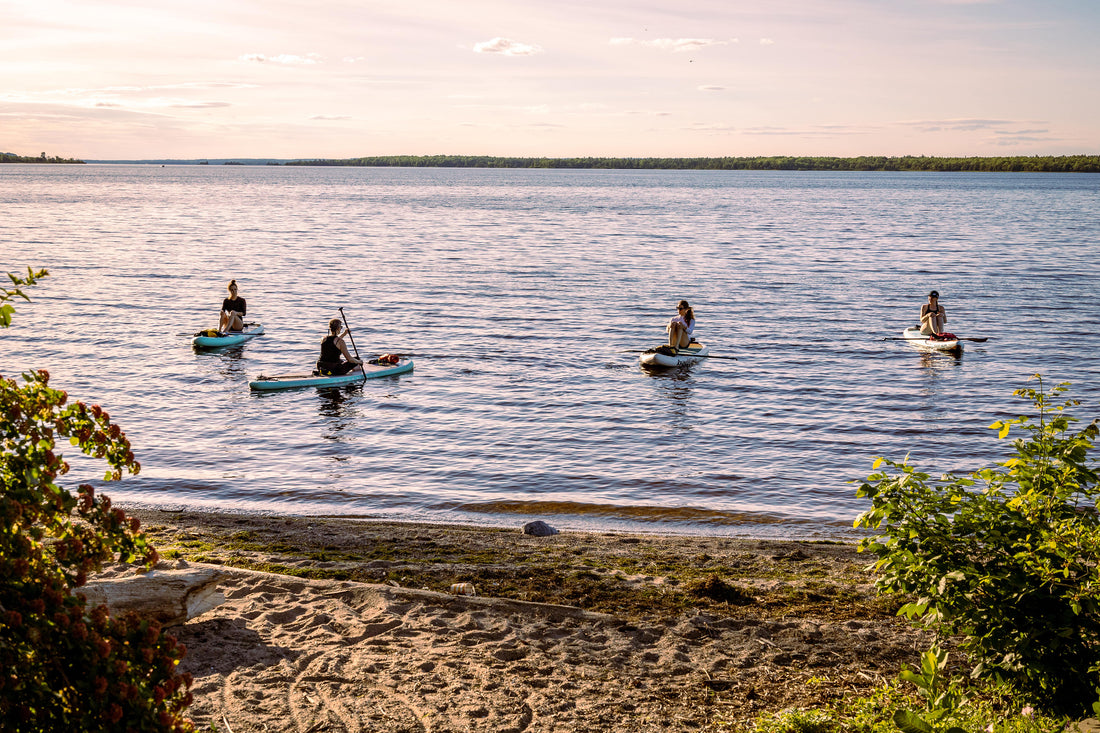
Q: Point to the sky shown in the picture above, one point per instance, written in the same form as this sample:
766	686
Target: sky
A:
145	79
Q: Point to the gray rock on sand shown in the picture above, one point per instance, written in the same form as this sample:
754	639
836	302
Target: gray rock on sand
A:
539	528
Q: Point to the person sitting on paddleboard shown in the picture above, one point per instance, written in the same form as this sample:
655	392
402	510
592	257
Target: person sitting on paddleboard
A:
332	349
233	310
933	317
681	327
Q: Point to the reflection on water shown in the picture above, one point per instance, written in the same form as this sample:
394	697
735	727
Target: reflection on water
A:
675	387
934	363
228	358
336	406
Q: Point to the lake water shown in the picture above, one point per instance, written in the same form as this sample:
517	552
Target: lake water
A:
519	294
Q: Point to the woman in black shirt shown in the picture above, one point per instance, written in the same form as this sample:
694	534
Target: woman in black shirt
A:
233	310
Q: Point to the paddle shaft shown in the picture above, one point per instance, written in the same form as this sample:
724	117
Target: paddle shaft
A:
348	328
693	356
957	338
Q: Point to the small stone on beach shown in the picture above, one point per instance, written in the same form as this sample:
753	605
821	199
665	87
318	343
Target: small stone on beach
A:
539	528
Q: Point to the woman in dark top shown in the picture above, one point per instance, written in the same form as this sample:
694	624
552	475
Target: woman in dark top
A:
233	310
332	350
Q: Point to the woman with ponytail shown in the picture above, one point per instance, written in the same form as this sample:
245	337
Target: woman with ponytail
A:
682	326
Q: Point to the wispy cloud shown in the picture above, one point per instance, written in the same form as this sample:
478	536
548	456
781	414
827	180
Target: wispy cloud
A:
197	105
120	91
330	117
767	42
285	59
812	131
711	88
676	45
957	125
507	47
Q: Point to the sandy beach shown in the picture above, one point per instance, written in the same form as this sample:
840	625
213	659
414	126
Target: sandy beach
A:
341	625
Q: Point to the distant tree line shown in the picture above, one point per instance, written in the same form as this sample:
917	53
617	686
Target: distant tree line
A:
1039	163
43	158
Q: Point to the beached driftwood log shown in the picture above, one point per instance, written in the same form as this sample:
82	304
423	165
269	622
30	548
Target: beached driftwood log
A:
169	596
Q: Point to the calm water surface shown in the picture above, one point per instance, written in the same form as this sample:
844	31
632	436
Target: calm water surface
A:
518	293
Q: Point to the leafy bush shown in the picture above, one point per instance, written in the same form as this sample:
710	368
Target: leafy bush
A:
990	709
15	291
1006	558
63	666
797	721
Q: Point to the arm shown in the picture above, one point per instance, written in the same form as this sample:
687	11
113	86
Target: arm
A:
344	351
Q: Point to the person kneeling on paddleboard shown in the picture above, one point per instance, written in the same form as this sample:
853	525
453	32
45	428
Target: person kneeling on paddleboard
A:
933	317
681	327
332	349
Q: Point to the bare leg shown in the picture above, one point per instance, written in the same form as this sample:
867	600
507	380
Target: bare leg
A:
234	323
932	324
677	336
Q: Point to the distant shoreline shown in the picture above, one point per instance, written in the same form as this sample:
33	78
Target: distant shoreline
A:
908	163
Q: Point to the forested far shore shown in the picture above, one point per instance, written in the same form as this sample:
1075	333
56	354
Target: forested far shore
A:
1039	163
916	163
42	158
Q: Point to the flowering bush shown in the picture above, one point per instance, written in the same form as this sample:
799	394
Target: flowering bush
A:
63	666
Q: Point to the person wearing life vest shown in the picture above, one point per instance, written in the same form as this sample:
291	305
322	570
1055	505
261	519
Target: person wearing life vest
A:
933	317
335	359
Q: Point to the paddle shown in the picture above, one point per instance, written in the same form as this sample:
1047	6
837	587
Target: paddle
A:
693	356
352	338
957	338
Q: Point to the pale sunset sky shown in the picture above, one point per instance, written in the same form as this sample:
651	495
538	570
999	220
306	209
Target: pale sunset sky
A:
142	79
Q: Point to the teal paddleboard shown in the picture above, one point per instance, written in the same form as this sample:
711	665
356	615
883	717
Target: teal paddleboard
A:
294	381
202	341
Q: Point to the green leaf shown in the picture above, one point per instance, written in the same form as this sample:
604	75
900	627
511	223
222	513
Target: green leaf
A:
910	722
908	675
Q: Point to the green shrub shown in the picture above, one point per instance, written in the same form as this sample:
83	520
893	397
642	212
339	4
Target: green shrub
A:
1006	558
987	709
15	291
797	721
63	666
